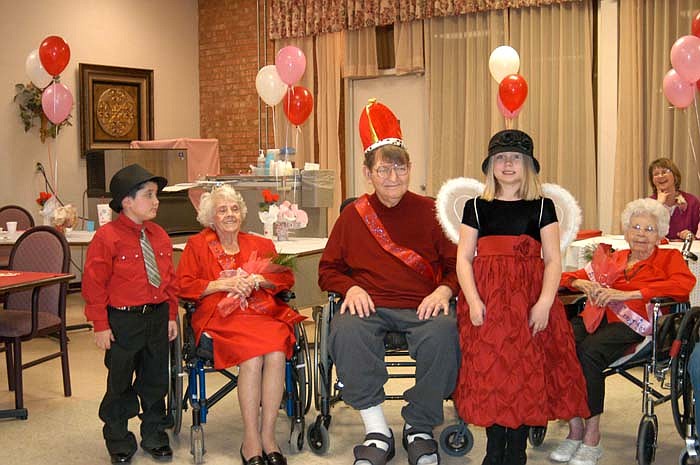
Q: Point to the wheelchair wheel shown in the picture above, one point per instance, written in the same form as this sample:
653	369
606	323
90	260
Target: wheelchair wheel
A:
197	443
685	459
296	437
646	440
175	372
457	440
317	438
303	365
681	389
536	435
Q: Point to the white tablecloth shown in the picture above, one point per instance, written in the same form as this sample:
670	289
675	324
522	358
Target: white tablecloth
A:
574	256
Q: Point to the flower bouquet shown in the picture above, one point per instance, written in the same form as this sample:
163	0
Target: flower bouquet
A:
235	302
604	270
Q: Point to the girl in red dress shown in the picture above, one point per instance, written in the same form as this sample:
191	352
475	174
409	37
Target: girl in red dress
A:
519	366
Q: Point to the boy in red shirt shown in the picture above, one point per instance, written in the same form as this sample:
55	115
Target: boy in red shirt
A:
130	297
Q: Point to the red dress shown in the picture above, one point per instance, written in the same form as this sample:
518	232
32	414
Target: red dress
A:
507	377
241	335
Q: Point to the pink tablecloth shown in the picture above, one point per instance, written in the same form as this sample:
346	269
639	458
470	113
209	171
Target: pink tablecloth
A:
202	158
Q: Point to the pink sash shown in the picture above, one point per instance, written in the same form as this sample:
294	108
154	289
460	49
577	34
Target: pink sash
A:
628	316
407	256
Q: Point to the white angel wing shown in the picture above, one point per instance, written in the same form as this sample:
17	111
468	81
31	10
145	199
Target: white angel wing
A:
450	202
568	212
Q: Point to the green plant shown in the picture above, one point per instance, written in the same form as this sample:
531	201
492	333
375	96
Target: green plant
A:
29	100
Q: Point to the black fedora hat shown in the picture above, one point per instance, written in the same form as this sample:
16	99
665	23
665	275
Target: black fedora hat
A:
126	179
511	140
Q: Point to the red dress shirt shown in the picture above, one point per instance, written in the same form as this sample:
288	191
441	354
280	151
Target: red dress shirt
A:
354	257
115	273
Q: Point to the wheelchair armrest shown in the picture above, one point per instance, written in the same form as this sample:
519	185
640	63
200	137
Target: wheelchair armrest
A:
664	301
189	305
286	295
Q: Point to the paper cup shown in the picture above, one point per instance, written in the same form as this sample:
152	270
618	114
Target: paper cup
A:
104	214
11	227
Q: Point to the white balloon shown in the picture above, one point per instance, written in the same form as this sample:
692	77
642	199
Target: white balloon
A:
35	70
504	60
270	86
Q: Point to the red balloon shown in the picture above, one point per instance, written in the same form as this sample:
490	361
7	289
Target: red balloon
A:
298	104
695	25
54	54
513	91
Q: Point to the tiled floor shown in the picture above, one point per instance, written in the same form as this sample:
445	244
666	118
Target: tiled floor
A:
67	431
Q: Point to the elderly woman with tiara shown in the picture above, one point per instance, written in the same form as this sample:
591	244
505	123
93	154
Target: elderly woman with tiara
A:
231	276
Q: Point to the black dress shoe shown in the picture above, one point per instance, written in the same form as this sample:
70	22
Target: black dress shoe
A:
275	458
255	460
162	453
121	457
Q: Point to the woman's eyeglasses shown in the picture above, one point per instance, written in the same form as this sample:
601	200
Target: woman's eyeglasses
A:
644	229
385	171
661	172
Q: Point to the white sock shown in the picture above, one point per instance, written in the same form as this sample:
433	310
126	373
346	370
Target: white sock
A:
426	459
375	422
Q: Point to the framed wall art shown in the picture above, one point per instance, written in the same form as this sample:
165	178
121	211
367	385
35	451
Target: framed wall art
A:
116	106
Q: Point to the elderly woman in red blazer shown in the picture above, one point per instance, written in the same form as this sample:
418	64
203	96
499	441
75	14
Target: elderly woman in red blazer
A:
230	275
617	318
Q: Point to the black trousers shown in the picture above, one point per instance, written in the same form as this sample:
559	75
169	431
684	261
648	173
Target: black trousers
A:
137	365
597	351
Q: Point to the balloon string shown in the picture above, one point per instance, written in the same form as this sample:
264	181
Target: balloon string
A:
274	129
690	136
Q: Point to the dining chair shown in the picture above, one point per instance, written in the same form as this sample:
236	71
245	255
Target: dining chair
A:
42	249
24	221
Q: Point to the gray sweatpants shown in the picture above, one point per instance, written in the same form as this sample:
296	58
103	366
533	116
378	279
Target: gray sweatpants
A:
357	348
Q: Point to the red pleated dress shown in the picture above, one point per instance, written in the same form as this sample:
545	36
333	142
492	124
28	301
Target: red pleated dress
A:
507	376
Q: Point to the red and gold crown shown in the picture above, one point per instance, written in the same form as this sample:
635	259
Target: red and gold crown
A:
379	126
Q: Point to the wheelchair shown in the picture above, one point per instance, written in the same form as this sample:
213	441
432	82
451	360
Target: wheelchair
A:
192	361
456	440
683	404
660	354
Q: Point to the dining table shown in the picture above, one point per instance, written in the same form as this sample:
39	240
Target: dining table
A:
15	281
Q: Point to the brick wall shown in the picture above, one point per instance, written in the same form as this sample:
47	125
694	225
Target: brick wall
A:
228	64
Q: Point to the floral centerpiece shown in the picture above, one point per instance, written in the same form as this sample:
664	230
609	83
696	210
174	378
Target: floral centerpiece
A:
286	215
268	212
62	217
48	204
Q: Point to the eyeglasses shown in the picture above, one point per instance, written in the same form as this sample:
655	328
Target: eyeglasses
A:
644	229
385	171
661	172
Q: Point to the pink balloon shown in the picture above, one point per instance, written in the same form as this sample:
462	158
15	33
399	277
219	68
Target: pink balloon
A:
679	92
504	111
291	64
685	58
57	102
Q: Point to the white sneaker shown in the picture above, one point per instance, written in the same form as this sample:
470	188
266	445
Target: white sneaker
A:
587	455
565	450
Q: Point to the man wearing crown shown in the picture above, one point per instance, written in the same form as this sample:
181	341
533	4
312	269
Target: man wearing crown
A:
389	258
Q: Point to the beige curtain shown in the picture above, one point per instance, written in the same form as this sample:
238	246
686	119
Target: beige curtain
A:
360	53
462	111
408	47
329	53
555	47
648	126
555	44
